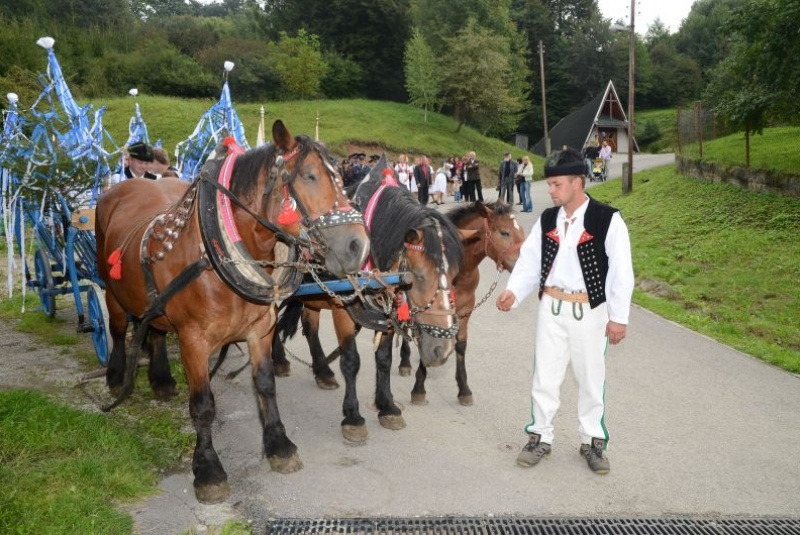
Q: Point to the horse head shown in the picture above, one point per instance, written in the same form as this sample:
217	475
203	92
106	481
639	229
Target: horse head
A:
502	233
432	257
307	200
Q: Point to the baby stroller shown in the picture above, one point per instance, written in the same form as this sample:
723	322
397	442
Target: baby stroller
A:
599	171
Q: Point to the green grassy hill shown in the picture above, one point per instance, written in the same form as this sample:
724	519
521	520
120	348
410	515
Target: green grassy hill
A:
344	126
666	121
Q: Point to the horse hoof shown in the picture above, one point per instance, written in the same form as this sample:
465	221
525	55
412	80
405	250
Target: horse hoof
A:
282	370
285	465
327	383
395	422
355	433
210	494
466	400
404	371
165	393
418	399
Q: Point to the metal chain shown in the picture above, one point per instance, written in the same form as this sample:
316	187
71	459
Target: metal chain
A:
485	297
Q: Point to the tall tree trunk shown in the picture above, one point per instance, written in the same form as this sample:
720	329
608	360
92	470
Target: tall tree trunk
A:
747	147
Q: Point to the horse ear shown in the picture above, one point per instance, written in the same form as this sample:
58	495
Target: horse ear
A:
282	137
482	209
413	236
467	233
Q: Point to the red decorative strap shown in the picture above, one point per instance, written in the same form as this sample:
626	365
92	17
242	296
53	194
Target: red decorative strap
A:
415	247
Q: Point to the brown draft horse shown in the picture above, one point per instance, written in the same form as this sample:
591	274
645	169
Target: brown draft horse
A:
157	227
495	234
405	236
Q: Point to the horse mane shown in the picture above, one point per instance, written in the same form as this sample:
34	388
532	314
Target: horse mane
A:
249	165
459	214
396	213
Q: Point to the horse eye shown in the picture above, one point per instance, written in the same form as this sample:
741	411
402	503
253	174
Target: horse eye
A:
505	234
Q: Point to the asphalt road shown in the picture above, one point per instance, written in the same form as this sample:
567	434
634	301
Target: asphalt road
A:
696	428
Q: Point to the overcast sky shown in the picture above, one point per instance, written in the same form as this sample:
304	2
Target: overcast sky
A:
671	12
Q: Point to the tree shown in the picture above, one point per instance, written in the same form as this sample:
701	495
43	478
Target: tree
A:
423	78
372	33
477	79
701	35
299	64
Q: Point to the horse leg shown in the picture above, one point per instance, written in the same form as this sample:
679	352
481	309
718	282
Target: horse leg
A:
118	325
354	427
280	365
279	450
389	414
464	393
210	479
418	392
405	357
159	373
323	374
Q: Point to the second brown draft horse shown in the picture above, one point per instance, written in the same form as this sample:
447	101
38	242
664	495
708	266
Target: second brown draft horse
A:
225	252
405	236
495	233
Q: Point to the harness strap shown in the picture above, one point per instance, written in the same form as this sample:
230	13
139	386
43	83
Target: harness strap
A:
369	213
283	236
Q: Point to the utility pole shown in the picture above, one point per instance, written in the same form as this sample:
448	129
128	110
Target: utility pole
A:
544	101
627	178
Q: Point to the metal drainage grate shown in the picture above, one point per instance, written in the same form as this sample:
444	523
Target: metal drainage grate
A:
537	526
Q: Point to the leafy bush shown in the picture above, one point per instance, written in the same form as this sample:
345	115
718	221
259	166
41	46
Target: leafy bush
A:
649	134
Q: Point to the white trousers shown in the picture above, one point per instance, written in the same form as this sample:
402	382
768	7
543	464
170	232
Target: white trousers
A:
561	339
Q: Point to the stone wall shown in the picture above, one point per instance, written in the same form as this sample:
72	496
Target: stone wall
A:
762	180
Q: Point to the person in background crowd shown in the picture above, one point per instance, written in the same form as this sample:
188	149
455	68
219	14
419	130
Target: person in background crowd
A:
138	158
525	174
160	166
506	175
473	178
439	185
404	171
578	257
423	174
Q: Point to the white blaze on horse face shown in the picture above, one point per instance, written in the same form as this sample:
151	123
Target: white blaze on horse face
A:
514	219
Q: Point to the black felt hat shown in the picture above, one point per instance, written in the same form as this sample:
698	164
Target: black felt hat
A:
141	151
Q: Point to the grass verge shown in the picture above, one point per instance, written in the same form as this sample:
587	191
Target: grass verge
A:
775	149
720	260
60	466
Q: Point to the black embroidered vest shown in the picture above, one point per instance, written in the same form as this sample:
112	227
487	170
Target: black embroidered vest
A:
591	248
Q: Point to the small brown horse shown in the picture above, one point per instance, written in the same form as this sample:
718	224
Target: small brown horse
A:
495	234
153	230
405	237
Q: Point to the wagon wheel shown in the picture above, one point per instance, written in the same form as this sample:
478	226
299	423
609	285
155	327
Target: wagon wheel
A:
44	279
98	319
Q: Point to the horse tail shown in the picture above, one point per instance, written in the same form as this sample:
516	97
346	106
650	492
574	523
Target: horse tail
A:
289	320
132	356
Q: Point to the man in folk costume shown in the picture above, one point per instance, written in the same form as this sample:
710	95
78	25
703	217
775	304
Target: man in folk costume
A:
578	257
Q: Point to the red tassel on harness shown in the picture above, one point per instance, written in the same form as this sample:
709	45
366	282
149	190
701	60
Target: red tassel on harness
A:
115	260
403	314
288	215
229	141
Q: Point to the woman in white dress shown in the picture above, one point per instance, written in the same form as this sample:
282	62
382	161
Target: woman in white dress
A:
439	186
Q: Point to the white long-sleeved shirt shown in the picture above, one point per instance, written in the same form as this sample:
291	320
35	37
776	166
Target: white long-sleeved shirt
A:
566	271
